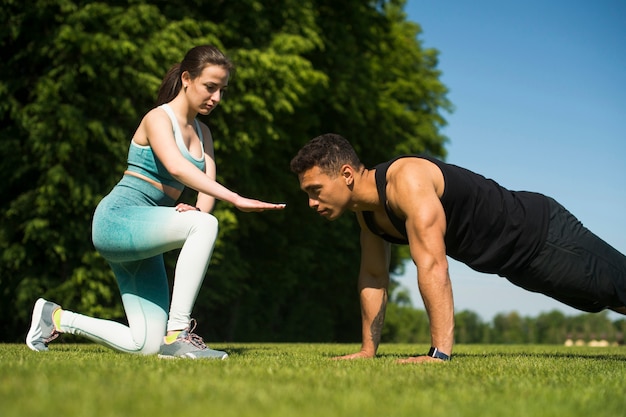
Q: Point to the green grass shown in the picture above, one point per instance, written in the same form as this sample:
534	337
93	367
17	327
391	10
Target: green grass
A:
299	380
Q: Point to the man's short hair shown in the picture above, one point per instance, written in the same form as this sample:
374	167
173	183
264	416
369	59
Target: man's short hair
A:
329	152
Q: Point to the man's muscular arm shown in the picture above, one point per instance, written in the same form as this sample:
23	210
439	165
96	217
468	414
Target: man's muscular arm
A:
414	194
373	284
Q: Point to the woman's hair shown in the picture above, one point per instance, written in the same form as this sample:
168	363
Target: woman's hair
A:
329	152
195	61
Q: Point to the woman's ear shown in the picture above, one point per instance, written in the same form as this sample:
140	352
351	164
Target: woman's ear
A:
185	79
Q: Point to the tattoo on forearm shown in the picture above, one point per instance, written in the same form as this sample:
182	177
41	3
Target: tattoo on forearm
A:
377	324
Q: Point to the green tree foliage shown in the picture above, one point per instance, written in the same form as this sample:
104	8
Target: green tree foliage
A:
77	77
510	328
551	327
469	328
405	324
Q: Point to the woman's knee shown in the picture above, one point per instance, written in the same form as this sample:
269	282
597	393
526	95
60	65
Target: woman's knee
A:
153	338
152	345
206	224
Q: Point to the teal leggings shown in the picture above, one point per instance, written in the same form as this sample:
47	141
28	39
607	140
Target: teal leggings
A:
132	227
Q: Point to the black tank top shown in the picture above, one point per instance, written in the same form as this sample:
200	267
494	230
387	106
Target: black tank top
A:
489	228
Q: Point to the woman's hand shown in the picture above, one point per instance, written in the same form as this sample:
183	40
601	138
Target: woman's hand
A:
242	203
182	207
248	205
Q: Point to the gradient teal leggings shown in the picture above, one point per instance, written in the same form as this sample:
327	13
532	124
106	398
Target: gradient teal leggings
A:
132	227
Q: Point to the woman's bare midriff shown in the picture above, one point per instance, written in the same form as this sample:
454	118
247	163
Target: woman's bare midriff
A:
171	192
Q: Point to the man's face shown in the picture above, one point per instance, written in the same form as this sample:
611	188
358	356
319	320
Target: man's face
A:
328	195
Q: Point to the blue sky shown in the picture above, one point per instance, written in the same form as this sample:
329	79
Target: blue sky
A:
539	89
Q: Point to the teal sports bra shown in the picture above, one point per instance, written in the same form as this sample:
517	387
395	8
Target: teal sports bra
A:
142	160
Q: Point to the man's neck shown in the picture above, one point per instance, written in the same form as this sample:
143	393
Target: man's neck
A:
365	193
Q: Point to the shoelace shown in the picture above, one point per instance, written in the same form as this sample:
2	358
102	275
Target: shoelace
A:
193	338
52	336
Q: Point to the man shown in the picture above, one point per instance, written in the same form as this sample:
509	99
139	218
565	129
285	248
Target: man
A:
443	210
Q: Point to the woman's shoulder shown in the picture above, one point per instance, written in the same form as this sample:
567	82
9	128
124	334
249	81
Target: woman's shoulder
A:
156	112
156	116
155	120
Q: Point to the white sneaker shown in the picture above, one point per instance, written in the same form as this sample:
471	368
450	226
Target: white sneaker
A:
42	330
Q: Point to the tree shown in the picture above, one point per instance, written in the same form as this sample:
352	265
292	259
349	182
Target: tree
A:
469	328
78	76
404	324
551	327
591	327
510	328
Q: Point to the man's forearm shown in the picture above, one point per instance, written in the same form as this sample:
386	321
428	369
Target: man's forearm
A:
437	295
373	306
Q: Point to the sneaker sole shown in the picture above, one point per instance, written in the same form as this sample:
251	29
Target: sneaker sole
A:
170	357
37	313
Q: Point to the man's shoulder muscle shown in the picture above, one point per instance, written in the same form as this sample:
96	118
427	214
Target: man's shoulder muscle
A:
412	176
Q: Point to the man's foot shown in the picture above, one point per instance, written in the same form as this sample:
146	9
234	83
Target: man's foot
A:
42	330
189	345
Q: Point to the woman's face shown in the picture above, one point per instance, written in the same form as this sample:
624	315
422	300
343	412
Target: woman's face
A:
205	91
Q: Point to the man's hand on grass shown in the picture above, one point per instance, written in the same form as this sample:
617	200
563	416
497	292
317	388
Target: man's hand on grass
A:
358	355
419	359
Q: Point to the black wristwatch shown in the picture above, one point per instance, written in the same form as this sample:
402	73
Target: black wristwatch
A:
436	353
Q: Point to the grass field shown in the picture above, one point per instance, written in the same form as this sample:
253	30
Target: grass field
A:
299	380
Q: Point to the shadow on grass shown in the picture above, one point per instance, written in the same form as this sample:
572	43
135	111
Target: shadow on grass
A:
243	350
502	355
547	355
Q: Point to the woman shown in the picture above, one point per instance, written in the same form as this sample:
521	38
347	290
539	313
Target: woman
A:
138	221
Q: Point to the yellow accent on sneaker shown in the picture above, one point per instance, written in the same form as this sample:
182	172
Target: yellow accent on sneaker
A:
56	319
171	338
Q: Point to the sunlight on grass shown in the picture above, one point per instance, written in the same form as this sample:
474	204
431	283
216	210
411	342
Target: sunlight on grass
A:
300	380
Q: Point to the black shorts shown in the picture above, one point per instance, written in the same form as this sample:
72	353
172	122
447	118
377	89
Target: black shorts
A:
575	266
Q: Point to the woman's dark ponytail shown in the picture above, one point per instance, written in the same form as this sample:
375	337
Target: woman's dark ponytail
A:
170	86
